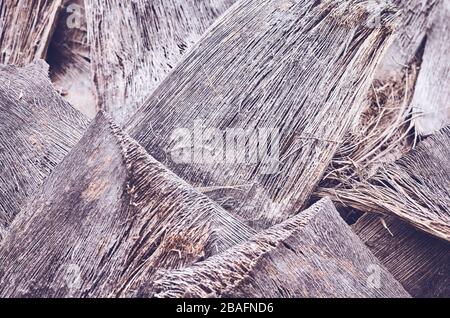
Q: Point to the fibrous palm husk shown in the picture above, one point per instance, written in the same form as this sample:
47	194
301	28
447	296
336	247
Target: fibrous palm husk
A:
37	130
432	91
423	35
297	67
383	133
69	58
135	44
107	216
314	254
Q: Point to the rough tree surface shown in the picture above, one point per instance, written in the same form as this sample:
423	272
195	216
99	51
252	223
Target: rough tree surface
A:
262	68
432	91
107	215
420	262
314	254
26	27
416	188
423	36
415	21
136	43
37	130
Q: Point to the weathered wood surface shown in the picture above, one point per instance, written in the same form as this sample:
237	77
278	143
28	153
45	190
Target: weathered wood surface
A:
262	66
37	130
135	44
26	27
432	91
416	188
420	262
416	19
314	254
69	58
423	37
108	215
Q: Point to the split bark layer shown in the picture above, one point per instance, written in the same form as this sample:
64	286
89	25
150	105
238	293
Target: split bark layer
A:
416	18
420	262
135	44
423	36
108	216
416	188
314	254
432	91
37	130
262	66
26	27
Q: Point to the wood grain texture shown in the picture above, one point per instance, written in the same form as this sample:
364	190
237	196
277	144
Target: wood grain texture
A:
108	215
135	44
416	188
420	262
314	254
69	58
416	19
262	66
432	91
26	27
37	130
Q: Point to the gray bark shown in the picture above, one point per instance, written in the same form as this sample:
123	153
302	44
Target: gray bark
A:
420	262
135	44
314	254
262	66
37	130
108	215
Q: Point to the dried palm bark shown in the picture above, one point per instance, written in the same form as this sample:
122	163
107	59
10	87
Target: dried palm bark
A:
416	19
297	67
314	254
107	215
383	133
26	27
424	35
416	188
432	92
69	58
135	44
37	130
420	262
